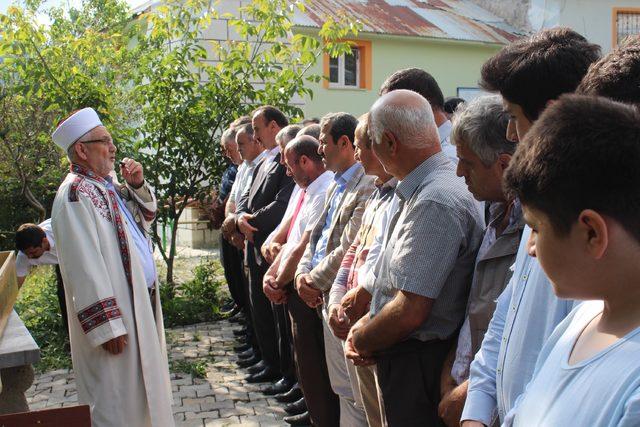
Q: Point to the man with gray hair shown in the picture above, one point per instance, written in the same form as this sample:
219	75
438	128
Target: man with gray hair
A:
484	152
423	274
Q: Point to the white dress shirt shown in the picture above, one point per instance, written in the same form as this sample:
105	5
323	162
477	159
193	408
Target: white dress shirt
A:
50	257
309	213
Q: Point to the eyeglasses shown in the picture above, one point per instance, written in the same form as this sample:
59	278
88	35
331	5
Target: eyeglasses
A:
99	141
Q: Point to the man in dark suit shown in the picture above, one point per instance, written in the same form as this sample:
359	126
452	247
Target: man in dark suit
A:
259	211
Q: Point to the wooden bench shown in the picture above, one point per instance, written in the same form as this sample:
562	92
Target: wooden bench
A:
70	416
18	350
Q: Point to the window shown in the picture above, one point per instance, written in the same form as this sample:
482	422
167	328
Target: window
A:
626	22
344	70
349	71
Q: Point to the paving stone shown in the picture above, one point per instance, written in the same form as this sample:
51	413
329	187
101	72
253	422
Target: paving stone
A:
238	410
198	422
224	404
220	399
222	422
201	415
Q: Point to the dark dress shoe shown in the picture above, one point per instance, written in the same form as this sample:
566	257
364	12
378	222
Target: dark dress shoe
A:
297	407
227	306
246	354
240	332
232	311
266	375
238	318
245	363
290	396
242	347
257	367
281	386
303	419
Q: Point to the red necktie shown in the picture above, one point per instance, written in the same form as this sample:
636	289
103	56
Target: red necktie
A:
296	212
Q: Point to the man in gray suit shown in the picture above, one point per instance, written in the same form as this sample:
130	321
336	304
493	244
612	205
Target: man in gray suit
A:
484	152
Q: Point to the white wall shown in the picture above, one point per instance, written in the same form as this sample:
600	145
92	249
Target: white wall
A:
591	18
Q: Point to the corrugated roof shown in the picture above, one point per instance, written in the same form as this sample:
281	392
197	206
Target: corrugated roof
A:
441	19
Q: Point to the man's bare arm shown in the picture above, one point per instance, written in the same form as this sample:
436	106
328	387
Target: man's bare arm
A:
401	316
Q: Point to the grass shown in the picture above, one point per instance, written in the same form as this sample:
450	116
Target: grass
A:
196	367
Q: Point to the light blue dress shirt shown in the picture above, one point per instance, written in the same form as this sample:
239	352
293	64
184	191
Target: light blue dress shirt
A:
142	244
526	314
341	184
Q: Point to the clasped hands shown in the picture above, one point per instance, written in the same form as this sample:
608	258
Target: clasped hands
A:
274	290
311	295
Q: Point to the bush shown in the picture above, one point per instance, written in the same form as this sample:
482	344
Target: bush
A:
38	307
195	301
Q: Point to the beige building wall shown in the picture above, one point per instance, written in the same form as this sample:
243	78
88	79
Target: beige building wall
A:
453	64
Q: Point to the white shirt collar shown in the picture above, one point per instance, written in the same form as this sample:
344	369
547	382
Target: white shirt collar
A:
444	130
258	158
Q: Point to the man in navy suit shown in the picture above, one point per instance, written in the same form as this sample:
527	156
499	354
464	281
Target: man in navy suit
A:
259	211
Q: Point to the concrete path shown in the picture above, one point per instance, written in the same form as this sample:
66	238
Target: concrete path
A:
221	399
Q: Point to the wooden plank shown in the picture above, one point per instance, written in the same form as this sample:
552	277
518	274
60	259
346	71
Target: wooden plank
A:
17	346
76	416
8	287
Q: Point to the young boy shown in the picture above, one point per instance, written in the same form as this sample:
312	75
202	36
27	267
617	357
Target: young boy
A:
577	176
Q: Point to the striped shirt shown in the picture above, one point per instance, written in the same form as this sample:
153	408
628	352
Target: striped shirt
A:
431	247
356	261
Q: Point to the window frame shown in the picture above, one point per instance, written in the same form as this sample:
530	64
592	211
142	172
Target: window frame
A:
342	70
363	68
616	11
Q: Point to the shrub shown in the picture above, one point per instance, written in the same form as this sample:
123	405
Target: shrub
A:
195	301
38	307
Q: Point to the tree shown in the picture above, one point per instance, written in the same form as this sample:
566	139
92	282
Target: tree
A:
150	80
46	71
186	101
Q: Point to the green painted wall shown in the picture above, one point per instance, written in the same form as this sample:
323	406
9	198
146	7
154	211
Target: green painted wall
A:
453	64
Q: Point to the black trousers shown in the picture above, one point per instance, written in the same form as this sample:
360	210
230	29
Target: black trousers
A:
311	364
263	319
231	259
285	340
409	378
62	300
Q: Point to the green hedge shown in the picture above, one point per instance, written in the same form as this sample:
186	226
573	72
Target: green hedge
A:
38	308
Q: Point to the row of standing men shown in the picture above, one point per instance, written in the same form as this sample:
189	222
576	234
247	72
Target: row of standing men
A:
373	270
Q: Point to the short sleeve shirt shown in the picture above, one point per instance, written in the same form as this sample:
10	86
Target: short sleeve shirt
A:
431	248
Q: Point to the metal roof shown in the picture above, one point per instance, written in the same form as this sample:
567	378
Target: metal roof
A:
440	19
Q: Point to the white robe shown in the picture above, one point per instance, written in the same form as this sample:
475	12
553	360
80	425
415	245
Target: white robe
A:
131	388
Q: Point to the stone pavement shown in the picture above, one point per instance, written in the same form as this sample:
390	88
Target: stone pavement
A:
223	398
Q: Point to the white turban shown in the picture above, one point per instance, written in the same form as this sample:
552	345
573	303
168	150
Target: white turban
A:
75	126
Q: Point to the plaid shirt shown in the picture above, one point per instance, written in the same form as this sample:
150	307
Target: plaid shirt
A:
343	229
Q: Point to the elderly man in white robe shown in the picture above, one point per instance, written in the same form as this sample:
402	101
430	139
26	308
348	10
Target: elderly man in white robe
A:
115	320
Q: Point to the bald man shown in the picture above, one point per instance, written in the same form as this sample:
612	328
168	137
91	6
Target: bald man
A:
422	276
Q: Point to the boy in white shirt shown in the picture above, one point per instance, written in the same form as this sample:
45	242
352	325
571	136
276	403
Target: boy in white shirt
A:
577	176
